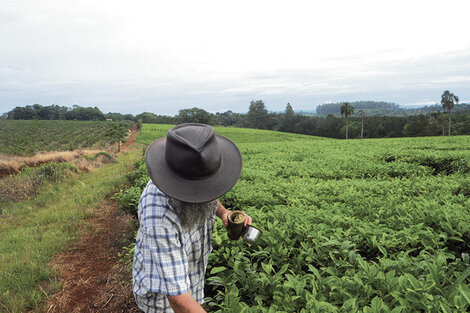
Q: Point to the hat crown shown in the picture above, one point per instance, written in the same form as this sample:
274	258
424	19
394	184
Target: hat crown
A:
192	151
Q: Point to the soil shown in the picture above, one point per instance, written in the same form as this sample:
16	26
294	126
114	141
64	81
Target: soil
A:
6	170
131	139
91	275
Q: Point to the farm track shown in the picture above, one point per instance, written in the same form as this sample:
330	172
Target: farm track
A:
91	276
131	139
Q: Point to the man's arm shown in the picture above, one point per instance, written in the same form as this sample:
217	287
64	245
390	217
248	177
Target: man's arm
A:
185	303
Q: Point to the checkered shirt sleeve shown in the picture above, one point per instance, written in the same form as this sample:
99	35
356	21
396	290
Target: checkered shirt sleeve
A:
160	261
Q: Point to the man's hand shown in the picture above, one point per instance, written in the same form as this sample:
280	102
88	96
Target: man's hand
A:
185	303
223	213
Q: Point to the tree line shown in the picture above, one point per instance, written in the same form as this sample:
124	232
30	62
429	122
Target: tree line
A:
78	113
355	123
371	107
359	125
381	108
55	112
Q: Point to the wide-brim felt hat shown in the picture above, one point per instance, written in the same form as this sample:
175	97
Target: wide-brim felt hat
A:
193	164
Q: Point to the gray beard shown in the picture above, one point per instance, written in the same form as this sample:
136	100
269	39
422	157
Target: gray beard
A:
191	214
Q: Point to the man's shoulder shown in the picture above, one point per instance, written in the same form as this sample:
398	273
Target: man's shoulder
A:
152	191
154	206
153	196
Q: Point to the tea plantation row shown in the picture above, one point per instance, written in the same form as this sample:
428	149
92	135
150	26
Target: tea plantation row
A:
348	226
27	137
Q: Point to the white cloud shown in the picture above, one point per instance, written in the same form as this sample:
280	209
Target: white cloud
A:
169	54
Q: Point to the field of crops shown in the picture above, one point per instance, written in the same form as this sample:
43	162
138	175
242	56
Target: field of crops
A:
24	138
348	226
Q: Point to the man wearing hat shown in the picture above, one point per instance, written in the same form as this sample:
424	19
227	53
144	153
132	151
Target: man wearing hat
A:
189	170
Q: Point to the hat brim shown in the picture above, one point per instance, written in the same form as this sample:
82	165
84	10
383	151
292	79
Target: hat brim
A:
194	191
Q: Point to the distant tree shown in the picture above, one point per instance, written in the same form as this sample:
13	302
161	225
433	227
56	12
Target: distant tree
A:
113	116
288	119
257	115
229	118
272	121
39	112
433	126
147	117
447	101
416	126
139	124
84	114
195	115
347	110
53	112
22	113
362	113
120	117
441	120
129	117
116	133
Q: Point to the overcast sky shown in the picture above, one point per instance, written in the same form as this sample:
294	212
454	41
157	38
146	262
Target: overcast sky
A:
162	56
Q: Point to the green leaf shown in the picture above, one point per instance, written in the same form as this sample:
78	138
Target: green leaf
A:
459	301
433	270
397	309
459	280
465	291
377	304
414	282
382	250
218	269
267	267
283	269
350	303
445	308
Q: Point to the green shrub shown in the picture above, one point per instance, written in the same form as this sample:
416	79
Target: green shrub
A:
101	156
129	199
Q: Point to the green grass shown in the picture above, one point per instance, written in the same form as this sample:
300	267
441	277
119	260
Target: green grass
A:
33	231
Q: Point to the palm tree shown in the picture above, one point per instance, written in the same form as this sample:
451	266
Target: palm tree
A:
362	113
447	101
347	110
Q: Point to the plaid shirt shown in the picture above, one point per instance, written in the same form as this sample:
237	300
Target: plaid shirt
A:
168	260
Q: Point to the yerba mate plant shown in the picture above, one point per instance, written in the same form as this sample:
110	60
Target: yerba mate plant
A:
348	226
53	135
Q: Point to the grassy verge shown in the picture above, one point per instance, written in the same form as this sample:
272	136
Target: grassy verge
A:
33	231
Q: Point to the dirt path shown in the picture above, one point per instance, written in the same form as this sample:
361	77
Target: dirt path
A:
92	278
131	139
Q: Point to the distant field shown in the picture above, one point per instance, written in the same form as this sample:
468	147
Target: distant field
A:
24	138
376	225
151	132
